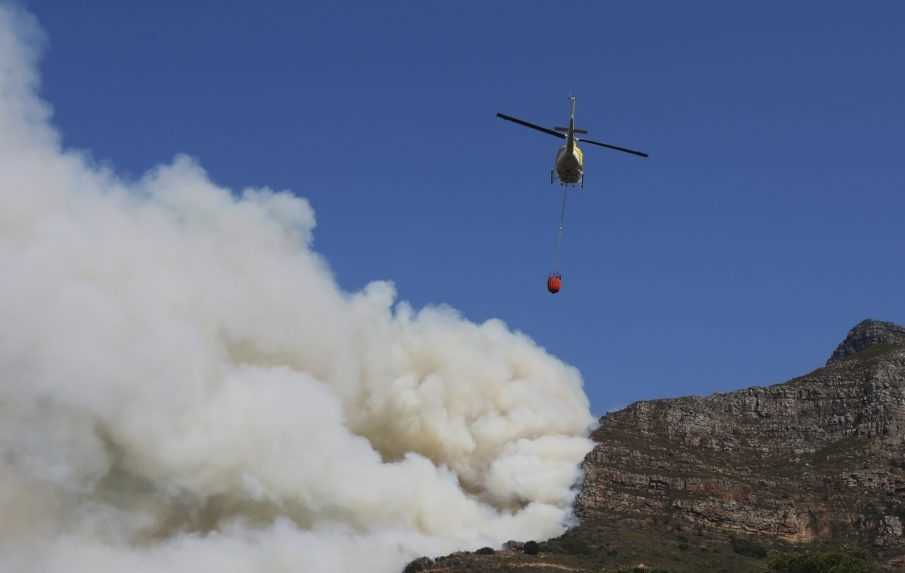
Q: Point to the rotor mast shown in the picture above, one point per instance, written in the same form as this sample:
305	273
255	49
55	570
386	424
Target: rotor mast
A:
570	135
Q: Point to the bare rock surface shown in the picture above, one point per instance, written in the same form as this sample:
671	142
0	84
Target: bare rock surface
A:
866	334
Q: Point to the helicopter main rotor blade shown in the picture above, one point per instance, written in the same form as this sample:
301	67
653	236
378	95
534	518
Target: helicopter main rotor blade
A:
616	147
531	125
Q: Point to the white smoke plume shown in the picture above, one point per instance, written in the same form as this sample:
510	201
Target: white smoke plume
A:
184	387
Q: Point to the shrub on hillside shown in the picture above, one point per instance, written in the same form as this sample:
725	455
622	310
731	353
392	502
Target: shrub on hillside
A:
575	545
821	562
748	548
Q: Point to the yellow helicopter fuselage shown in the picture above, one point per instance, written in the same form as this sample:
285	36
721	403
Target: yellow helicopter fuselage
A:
569	164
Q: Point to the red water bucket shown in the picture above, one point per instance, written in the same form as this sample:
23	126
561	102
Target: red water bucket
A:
554	283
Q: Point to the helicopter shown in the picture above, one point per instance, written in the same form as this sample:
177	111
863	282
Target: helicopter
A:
568	165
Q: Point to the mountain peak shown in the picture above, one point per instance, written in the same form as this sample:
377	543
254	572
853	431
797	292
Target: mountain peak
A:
865	334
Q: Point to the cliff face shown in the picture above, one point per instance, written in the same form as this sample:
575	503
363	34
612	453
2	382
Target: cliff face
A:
820	458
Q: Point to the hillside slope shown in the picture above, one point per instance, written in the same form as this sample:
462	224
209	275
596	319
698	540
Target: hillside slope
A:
710	483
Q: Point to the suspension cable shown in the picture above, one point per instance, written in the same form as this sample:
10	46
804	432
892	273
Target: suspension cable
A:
562	227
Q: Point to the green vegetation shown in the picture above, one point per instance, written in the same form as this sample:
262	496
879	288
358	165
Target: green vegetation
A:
576	545
840	561
748	548
874	351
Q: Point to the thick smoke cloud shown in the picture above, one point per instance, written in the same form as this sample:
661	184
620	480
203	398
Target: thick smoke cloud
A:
184	388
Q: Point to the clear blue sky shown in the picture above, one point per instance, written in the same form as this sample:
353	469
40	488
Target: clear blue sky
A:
768	220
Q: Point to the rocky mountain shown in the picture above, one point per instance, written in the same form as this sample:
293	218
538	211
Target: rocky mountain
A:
867	334
717	483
